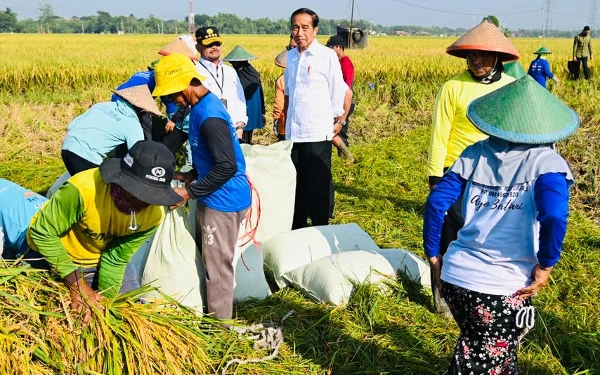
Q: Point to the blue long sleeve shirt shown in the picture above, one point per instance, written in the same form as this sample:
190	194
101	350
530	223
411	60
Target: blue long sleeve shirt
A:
540	70
551	197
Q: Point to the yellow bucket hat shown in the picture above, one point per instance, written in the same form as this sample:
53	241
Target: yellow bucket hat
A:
173	73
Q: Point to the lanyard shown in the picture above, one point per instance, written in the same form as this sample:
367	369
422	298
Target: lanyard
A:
212	75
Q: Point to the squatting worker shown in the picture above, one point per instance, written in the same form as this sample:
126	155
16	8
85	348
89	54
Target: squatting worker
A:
485	48
95	134
315	92
515	190
218	180
94	223
221	79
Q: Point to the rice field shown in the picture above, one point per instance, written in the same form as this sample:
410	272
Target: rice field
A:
47	80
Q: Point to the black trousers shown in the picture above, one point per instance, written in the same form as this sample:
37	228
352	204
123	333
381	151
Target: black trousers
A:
313	170
75	163
586	69
173	140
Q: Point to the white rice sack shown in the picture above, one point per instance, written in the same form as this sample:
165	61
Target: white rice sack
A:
57	184
173	263
408	263
138	260
331	279
300	247
250	281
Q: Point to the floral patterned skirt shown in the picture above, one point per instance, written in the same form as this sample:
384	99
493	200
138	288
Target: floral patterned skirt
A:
489	335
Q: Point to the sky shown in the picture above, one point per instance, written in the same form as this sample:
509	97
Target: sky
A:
514	14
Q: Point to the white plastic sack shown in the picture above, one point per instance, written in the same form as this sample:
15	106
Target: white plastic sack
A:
409	264
273	175
330	279
138	260
300	247
57	184
250	281
173	264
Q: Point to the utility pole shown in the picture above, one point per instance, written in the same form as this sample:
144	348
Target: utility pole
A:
351	26
593	21
547	18
191	25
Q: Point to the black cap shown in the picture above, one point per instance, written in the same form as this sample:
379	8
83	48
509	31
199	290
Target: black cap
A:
336	40
586	28
208	35
145	172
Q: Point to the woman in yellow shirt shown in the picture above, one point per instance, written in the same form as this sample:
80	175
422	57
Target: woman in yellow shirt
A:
485	48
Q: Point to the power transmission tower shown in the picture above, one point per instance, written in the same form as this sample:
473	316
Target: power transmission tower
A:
593	21
191	24
547	18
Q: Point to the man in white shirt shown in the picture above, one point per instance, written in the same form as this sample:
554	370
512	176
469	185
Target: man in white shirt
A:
222	80
314	92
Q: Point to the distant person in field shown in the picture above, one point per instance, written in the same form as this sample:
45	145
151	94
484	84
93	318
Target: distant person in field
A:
338	44
515	189
451	131
540	67
314	93
94	223
98	132
253	91
582	50
221	79
218	180
279	108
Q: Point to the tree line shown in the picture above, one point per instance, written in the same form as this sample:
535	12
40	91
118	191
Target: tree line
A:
104	23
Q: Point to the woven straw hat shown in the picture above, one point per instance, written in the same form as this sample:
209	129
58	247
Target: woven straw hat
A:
514	69
140	97
239	54
173	74
523	112
484	37
281	59
542	51
178	46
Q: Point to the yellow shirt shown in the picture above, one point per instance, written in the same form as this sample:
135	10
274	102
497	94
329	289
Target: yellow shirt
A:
451	130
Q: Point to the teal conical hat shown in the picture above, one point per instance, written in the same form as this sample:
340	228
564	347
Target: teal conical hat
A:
514	69
542	51
238	54
523	112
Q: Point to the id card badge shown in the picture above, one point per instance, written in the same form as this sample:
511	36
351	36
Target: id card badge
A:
224	101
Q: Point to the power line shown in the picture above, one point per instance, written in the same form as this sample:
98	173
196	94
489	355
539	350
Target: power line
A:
462	13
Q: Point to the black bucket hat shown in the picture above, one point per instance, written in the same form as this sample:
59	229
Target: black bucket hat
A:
145	172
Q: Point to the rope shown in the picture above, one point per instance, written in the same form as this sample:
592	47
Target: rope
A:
250	230
266	336
525	319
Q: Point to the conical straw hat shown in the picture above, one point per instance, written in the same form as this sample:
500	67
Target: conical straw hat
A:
542	51
281	59
140	97
523	112
178	46
484	37
514	69
239	54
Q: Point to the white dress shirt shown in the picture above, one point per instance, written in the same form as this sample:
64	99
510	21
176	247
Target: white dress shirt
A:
222	80
316	90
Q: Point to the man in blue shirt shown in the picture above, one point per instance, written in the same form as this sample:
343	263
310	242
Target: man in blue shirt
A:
218	179
540	67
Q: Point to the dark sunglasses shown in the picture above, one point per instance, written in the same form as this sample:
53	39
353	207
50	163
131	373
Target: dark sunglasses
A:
214	44
289	47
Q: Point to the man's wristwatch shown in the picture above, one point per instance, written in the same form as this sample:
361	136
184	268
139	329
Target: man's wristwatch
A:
343	123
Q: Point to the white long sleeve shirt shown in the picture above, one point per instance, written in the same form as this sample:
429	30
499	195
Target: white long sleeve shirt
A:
222	80
316	90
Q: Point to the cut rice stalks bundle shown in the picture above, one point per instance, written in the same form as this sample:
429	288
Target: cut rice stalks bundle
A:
39	334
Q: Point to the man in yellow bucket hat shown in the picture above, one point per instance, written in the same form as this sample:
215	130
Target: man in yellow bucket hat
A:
218	180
